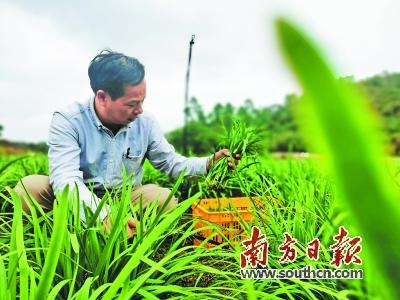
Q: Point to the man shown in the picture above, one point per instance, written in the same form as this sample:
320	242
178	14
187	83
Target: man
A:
90	143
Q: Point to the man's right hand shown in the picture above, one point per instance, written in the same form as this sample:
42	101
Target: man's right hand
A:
130	227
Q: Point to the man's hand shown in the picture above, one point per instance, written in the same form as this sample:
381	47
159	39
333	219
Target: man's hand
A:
223	153
130	227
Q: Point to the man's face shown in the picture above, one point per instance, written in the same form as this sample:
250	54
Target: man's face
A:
125	109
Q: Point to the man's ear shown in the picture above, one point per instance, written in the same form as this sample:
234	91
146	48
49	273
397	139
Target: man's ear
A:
101	95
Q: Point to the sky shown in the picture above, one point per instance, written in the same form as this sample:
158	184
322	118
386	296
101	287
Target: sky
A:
47	46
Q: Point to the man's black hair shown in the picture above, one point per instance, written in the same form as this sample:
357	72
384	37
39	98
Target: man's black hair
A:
111	71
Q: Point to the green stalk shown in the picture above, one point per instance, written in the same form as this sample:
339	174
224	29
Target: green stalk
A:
151	237
56	244
15	249
3	281
20	247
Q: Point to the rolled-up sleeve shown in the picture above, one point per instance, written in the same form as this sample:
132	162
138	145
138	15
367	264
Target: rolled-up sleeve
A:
64	163
163	157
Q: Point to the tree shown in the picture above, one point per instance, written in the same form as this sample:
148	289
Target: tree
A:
279	121
383	90
196	111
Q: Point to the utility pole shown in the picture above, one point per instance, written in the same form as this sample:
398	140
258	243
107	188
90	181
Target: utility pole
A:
186	111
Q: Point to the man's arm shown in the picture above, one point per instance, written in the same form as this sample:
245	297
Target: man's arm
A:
163	157
64	162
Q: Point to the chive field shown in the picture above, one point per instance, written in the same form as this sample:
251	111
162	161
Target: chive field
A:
161	261
350	183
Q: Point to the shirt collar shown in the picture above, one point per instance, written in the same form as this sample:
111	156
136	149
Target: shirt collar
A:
95	119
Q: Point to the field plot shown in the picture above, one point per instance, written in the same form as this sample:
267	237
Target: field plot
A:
54	254
304	218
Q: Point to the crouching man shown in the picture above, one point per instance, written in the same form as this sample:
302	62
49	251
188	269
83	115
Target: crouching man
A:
91	142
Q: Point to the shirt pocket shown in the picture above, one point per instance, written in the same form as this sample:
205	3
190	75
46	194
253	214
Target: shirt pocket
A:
132	163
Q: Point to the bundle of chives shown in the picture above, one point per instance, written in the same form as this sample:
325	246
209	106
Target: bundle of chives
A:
239	139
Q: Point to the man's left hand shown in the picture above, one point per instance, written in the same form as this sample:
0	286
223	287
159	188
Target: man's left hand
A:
224	153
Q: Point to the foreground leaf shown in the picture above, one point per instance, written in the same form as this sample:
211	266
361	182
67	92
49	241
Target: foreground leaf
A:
347	132
56	243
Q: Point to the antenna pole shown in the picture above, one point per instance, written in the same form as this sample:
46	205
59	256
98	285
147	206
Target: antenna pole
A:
185	137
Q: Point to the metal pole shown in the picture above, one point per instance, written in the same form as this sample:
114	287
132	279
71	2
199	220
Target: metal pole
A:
186	108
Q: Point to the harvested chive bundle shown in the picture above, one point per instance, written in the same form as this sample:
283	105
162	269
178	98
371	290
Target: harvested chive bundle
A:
239	139
242	139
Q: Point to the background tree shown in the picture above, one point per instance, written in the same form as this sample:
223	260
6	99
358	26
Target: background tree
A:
384	92
278	122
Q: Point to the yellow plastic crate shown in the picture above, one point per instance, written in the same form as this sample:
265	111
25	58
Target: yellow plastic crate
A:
216	211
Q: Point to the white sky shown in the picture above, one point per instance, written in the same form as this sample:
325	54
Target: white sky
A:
47	46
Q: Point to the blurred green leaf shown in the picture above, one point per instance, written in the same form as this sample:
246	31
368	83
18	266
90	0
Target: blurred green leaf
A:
346	130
